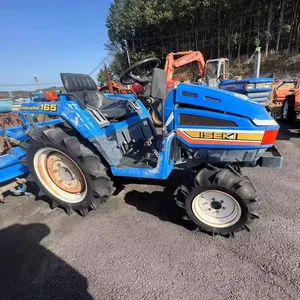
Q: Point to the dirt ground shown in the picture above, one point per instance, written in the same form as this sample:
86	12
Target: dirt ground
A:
137	247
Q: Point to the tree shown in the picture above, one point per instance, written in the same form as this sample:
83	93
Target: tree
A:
280	24
215	27
101	77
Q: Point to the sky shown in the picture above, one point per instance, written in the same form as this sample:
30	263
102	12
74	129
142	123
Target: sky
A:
45	38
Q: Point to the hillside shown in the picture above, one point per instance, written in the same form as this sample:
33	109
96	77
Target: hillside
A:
25	94
283	66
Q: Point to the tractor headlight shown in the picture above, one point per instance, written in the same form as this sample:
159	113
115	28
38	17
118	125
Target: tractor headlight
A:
249	86
264	85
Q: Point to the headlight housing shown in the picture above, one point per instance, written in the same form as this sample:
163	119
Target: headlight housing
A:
249	86
264	85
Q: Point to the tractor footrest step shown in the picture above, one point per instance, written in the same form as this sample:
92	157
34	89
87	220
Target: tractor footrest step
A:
271	158
139	159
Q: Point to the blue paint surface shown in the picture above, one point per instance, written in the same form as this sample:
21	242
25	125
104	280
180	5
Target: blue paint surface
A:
161	171
240	86
10	166
222	101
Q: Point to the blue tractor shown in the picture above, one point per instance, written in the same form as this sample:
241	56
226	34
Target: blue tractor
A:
208	133
257	88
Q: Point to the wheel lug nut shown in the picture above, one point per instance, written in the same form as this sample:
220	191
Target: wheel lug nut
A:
222	201
60	180
58	164
223	207
213	199
55	171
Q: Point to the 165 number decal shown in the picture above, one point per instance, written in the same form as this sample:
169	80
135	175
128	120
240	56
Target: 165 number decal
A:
49	107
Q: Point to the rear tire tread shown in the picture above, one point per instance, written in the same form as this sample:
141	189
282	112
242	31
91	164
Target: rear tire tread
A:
70	143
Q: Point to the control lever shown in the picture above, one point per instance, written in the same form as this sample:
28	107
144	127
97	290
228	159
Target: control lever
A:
149	143
84	94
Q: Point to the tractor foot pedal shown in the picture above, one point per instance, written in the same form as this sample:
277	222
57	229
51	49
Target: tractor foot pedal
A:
150	144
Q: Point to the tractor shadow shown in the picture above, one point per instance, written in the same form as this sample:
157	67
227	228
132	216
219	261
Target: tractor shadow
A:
289	131
30	271
34	190
160	204
286	131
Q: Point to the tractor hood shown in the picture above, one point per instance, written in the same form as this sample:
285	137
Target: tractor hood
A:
250	85
258	89
248	80
223	101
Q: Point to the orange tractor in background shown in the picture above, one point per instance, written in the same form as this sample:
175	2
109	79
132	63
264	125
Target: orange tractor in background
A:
284	89
290	99
213	71
113	87
179	59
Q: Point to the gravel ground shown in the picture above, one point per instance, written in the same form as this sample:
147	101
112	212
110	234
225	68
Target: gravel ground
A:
138	248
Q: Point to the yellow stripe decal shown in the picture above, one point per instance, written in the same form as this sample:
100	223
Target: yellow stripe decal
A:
224	135
250	136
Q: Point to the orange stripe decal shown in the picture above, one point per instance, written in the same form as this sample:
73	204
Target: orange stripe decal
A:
200	141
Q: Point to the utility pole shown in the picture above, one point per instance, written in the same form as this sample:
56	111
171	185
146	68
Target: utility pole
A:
127	53
133	36
257	56
37	82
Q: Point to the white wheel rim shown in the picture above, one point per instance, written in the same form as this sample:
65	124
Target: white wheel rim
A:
285	109
216	209
60	175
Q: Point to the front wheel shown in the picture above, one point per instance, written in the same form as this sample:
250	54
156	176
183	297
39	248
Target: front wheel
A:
219	201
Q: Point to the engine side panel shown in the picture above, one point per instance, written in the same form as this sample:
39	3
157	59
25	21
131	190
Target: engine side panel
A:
198	128
221	101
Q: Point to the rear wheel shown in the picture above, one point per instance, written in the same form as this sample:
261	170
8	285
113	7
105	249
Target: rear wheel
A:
219	201
288	112
67	170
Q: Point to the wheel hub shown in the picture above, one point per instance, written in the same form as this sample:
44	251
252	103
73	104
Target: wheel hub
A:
215	204
63	173
60	175
216	208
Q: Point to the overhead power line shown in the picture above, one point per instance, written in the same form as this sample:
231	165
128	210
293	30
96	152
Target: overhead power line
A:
101	64
96	68
28	84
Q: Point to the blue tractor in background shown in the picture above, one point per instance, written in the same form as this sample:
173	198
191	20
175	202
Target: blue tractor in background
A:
208	133
258	89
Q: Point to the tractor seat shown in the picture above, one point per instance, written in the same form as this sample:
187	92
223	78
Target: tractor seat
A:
86	93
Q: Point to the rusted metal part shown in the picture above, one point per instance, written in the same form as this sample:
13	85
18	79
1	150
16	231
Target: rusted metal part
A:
64	173
8	120
109	82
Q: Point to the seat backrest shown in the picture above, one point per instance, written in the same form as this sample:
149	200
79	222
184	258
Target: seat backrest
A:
158	84
82	85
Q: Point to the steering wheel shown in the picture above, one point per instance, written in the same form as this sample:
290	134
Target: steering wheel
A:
138	72
228	76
